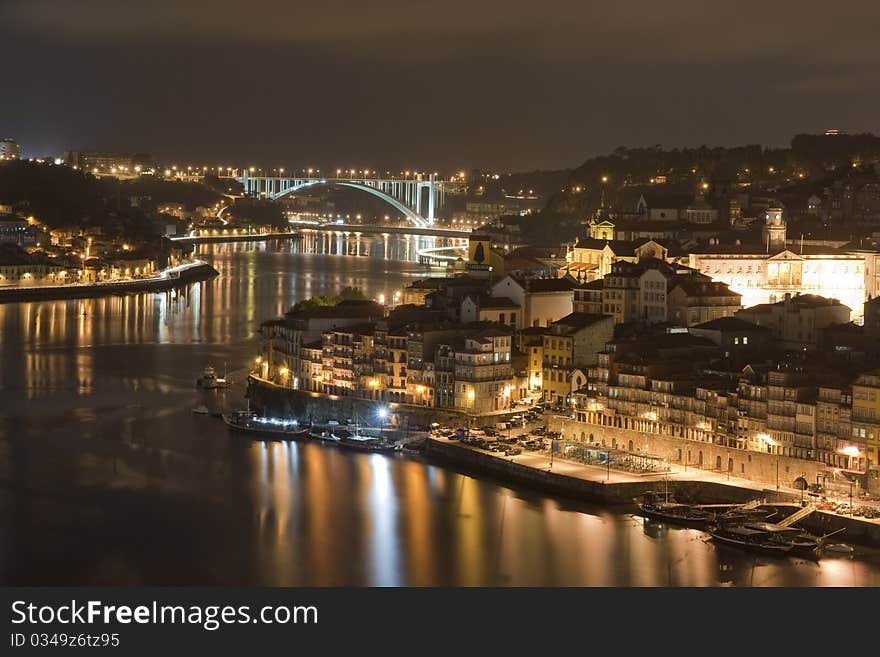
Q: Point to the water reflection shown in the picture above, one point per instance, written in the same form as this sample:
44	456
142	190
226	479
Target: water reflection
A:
107	477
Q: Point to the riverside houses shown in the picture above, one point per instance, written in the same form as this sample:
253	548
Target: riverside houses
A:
432	362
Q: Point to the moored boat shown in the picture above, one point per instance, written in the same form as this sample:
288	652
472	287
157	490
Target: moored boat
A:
748	538
249	422
355	440
838	549
209	380
365	443
802	543
673	512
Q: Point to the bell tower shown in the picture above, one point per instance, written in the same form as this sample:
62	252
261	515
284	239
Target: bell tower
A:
774	231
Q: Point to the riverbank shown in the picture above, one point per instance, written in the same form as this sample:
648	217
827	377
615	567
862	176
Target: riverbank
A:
245	237
582	482
169	278
329	228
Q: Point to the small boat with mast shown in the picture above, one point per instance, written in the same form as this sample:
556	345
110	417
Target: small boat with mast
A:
781	538
661	507
355	440
209	379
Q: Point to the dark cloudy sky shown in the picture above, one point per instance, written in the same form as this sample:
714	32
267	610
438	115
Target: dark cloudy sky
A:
509	84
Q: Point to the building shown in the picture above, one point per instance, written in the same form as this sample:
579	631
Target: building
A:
18	267
638	292
109	163
691	301
483	372
282	339
652	203
9	150
604	253
530	342
797	321
588	297
700	212
622	293
866	417
484	308
542	300
777	421
764	273
572	343
736	337
16	230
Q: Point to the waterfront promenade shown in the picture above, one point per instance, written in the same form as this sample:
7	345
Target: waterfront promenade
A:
166	279
583	481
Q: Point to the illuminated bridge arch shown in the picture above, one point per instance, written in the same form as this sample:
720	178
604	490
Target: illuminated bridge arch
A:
415	218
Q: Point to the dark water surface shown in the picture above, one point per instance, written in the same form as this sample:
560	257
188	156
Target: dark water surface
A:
107	477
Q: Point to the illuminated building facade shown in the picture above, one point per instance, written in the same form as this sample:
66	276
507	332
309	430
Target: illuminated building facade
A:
866	415
765	273
9	150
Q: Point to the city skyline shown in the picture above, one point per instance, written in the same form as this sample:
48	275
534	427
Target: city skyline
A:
318	297
460	86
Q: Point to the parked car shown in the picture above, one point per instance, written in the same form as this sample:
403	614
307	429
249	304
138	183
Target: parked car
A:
870	513
512	451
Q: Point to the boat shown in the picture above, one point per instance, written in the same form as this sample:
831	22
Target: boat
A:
365	443
748	538
357	441
676	513
351	438
201	410
249	422
209	380
838	549
802	543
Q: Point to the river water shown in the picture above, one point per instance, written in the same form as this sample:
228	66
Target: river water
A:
107	477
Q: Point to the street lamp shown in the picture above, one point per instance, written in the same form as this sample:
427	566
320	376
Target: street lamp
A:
382	413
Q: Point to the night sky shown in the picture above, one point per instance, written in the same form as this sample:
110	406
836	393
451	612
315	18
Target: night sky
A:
507	84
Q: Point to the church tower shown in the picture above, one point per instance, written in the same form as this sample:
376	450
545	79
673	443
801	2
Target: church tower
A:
774	230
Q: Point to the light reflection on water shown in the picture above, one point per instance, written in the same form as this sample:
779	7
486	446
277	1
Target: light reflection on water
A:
107	477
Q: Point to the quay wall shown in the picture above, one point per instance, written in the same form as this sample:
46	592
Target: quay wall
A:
767	469
573	487
472	461
193	274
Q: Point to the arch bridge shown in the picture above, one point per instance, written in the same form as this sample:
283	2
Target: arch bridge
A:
415	198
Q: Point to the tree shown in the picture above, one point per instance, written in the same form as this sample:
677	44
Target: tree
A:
349	293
